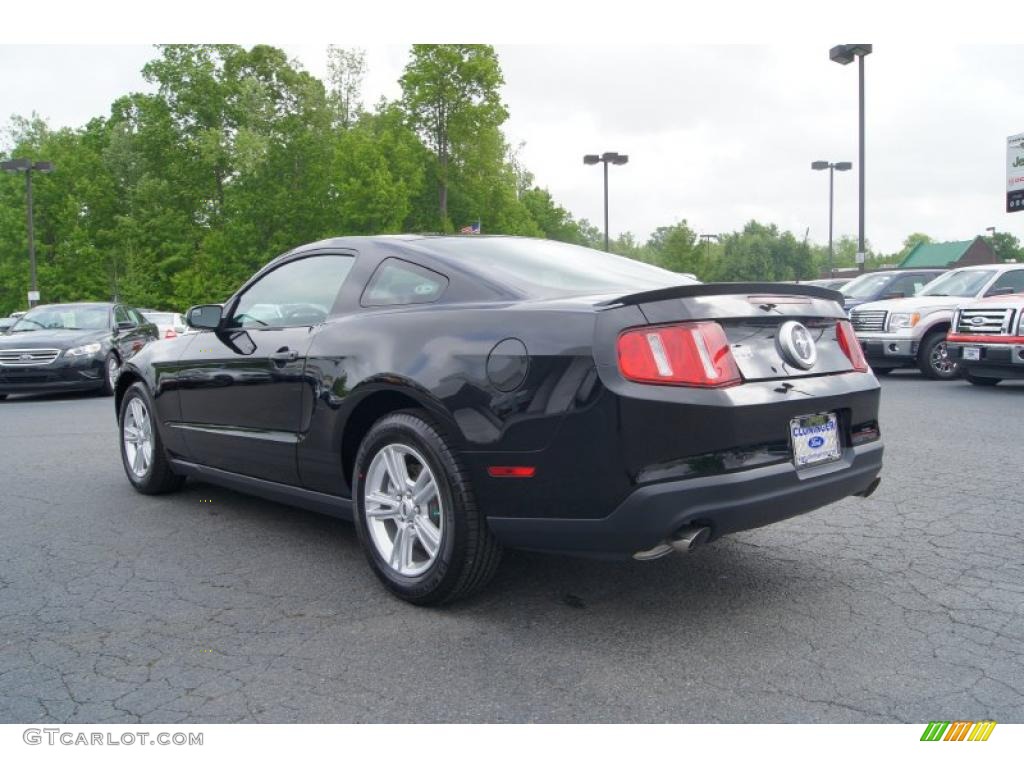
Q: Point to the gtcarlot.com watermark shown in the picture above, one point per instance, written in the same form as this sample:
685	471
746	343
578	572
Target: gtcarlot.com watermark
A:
69	738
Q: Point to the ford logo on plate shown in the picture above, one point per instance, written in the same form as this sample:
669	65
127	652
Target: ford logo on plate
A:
816	442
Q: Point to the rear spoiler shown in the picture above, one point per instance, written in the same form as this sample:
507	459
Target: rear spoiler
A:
760	290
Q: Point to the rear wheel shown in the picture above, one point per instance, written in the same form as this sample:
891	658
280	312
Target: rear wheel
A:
416	514
981	381
142	452
933	358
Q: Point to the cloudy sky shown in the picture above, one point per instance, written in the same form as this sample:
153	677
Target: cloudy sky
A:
717	135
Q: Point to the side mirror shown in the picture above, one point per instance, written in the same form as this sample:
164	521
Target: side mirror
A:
205	317
125	325
895	295
1008	290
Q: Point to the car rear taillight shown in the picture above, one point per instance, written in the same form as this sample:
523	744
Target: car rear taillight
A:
850	346
170	334
688	354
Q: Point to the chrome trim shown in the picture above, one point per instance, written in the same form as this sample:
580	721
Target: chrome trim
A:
13	358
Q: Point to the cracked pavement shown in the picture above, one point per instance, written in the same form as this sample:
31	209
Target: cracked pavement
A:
905	607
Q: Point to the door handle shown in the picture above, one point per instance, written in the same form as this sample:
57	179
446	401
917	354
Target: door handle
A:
284	355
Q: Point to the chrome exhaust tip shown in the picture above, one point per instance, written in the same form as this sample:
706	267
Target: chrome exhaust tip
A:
684	540
654	553
688	539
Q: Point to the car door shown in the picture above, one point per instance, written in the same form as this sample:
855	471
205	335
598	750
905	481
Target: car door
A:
241	386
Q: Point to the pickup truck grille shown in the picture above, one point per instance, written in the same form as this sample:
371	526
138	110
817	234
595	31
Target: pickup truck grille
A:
16	357
984	321
871	320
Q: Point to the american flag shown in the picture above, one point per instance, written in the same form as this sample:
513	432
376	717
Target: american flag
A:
471	229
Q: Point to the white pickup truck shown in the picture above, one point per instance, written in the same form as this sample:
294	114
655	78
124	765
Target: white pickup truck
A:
898	333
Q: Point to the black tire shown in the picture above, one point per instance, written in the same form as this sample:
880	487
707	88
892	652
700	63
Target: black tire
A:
467	555
981	381
158	477
882	371
933	361
108	386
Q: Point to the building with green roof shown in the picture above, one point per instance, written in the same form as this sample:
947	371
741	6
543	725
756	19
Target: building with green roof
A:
960	253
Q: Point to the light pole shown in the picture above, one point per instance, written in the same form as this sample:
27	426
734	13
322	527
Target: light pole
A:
707	245
22	165
615	159
844	54
821	165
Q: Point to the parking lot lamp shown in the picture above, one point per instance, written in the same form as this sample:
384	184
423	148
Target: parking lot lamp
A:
615	159
22	165
821	165
844	54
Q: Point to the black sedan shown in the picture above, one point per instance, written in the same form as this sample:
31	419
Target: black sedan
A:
70	347
453	395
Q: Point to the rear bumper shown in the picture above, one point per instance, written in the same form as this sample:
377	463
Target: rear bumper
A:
725	503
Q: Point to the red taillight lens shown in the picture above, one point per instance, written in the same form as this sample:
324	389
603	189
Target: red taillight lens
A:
850	346
689	354
511	471
170	334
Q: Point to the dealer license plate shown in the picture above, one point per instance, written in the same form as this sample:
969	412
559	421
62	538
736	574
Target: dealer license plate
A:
972	353
815	439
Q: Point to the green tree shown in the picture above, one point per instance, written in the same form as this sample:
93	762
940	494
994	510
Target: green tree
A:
676	248
761	252
1006	246
451	94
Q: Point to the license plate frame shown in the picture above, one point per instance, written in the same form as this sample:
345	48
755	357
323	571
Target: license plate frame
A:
815	439
972	353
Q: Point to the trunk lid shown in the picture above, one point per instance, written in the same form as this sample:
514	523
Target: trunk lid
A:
751	314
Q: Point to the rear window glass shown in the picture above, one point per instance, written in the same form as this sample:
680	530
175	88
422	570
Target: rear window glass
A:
547	268
402	282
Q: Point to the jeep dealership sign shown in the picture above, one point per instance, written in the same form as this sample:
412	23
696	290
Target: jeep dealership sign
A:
1015	173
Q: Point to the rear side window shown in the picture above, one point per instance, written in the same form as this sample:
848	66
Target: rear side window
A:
401	282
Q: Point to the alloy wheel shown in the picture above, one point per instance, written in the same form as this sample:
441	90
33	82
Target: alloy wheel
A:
138	437
942	363
403	509
112	370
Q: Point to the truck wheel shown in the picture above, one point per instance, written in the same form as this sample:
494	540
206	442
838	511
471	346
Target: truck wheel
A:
981	381
933	358
416	514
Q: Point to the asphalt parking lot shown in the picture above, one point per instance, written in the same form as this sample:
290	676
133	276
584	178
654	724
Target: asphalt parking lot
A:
210	606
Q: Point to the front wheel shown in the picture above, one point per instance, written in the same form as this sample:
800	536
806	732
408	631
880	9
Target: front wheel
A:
111	370
981	381
416	514
933	358
142	451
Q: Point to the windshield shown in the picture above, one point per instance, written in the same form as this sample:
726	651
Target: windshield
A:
72	317
160	318
546	268
961	282
865	286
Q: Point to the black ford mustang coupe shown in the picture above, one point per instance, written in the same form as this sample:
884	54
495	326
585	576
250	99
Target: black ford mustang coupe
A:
453	395
71	347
